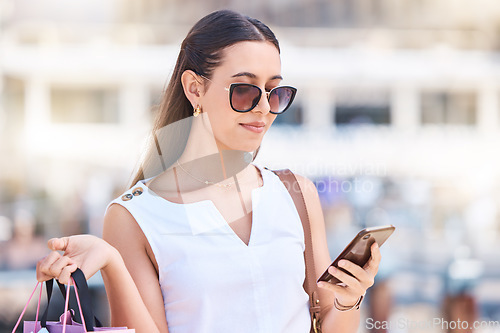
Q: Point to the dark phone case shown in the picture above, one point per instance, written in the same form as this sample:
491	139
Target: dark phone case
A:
359	249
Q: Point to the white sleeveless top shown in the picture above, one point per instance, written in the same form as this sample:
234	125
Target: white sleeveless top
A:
211	281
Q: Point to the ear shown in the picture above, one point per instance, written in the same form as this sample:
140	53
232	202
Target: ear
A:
193	87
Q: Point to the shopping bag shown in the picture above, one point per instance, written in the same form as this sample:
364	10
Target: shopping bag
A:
66	323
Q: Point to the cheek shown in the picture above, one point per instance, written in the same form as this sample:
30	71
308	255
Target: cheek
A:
223	119
217	103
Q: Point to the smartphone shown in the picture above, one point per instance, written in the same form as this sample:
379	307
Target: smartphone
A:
359	249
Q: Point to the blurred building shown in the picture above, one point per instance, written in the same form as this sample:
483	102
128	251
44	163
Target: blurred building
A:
80	80
400	95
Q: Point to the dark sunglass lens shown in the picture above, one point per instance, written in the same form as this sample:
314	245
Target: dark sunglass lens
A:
245	97
280	99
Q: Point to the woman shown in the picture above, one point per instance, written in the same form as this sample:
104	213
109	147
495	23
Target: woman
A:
211	242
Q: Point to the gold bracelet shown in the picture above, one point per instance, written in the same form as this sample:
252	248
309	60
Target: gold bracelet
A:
341	307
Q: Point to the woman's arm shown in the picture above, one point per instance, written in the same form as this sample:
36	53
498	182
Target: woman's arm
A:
129	275
332	319
147	312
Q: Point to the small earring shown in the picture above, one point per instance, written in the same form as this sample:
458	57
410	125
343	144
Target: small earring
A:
197	111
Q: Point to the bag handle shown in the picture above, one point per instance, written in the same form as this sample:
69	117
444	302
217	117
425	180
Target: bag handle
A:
66	305
86	313
26	306
49	287
293	187
83	294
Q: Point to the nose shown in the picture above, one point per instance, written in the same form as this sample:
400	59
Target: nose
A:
263	106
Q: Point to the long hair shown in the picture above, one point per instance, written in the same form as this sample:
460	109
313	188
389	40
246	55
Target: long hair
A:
201	52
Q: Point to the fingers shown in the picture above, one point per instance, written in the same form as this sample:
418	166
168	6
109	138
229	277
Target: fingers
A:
351	283
58	244
365	275
56	266
43	266
372	264
66	273
365	278
352	268
356	285
343	276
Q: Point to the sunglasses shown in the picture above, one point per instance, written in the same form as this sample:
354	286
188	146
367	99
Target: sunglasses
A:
244	97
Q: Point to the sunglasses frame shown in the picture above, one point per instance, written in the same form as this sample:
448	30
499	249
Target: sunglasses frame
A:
232	86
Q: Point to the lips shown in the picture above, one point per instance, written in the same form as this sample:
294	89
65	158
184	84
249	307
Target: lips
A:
256	126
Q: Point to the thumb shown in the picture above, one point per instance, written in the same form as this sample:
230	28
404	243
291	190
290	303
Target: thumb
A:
58	244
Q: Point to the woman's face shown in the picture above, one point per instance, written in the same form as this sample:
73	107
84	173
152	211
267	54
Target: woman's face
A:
255	62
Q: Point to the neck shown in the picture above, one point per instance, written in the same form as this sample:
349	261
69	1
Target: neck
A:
207	159
217	167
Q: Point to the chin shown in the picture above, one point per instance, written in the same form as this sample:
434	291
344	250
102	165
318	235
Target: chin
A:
246	149
241	143
250	148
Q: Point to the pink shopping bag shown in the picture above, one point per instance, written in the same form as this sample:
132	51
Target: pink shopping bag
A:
71	326
66	323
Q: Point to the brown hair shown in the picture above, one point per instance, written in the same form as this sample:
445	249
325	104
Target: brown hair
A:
201	52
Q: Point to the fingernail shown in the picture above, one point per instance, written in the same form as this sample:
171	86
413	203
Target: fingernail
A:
342	263
376	245
332	270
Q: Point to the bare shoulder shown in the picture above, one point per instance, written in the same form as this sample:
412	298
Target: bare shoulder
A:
116	210
118	216
121	227
122	231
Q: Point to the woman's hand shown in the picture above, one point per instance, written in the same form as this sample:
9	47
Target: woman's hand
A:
354	286
87	252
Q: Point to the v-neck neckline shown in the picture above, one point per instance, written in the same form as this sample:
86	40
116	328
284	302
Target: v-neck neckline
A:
231	230
214	207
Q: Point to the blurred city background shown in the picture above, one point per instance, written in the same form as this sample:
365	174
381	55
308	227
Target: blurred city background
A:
397	121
